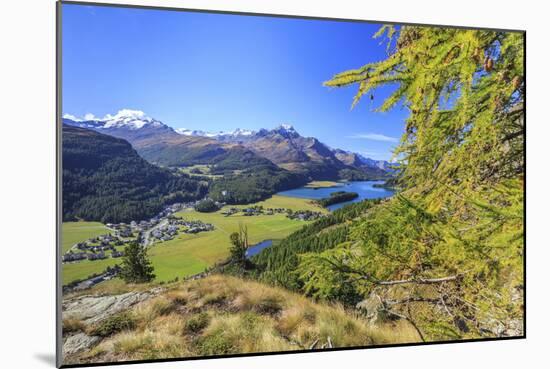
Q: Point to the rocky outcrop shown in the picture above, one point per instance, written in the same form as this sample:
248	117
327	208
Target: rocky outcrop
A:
93	309
79	342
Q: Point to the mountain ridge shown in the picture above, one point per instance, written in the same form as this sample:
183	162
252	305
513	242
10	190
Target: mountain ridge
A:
282	145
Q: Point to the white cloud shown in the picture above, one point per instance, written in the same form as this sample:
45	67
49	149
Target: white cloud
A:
71	117
374	137
89	116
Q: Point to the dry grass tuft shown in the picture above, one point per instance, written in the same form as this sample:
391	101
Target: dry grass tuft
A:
148	345
71	325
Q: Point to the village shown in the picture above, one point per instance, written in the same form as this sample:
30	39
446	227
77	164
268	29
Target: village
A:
162	227
305	215
173	226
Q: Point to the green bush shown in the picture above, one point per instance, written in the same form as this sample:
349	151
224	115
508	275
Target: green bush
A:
197	323
206	206
270	305
114	324
215	344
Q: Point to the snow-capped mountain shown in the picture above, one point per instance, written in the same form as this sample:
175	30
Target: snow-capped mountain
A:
219	135
382	164
240	134
282	145
192	132
125	118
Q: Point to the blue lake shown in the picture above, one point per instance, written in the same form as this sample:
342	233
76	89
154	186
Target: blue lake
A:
255	249
365	190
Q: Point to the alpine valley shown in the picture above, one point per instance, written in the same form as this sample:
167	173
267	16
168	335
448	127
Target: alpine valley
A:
238	167
283	146
185	242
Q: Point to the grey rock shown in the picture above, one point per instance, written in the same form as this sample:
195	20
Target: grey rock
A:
372	307
93	309
79	342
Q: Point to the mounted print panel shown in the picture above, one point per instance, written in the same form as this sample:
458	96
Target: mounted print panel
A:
245	184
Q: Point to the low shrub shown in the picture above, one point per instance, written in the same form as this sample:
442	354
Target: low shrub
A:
216	343
196	323
269	305
162	307
114	324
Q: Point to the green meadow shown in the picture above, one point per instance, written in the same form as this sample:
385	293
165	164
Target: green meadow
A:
83	269
287	202
189	254
322	184
74	232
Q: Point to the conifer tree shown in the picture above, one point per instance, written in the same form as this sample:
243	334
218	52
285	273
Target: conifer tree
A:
136	266
239	245
446	253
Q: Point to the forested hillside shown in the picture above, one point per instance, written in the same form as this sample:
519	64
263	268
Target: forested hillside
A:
104	179
278	265
254	184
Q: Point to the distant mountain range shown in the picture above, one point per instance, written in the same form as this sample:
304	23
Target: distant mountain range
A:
283	146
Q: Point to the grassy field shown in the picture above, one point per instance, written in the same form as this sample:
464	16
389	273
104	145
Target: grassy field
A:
293	203
83	269
189	254
204	171
322	184
74	232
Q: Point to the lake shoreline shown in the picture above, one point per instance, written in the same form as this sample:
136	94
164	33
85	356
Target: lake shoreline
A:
365	189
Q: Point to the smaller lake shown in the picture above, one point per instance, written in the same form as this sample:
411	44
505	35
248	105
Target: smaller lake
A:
365	190
255	249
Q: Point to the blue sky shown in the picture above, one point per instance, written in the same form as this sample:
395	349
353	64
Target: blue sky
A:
218	72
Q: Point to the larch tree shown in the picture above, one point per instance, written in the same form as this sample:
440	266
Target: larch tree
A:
446	253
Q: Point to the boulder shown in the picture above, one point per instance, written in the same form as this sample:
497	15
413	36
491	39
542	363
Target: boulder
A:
79	342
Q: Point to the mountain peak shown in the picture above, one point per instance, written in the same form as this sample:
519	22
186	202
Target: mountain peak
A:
127	114
286	130
124	118
133	119
236	133
286	127
242	132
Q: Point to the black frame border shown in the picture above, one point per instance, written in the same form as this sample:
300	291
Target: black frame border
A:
59	189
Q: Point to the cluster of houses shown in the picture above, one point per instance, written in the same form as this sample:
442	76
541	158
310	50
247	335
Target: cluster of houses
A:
95	248
165	233
196	226
254	210
260	210
102	247
129	230
304	215
174	225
